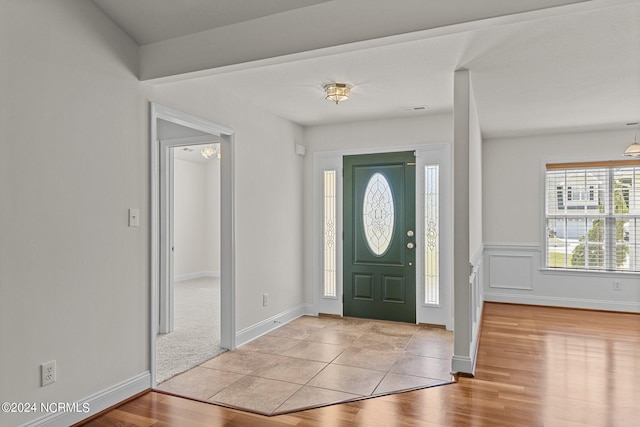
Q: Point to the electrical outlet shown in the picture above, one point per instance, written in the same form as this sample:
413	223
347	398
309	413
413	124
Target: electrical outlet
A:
616	285
265	300
48	373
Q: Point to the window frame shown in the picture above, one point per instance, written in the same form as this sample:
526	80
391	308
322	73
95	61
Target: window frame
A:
610	244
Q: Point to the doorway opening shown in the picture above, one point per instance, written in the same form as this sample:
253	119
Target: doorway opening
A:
192	239
427	244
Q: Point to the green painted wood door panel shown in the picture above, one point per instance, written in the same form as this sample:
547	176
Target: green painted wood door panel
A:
379	211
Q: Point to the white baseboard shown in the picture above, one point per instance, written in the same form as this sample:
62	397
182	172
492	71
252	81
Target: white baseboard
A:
268	325
588	304
196	275
95	403
462	364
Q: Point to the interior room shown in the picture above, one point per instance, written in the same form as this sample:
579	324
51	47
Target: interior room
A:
501	96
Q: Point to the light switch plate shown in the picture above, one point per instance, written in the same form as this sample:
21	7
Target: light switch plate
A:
134	217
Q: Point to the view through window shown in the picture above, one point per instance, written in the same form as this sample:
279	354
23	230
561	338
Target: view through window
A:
592	216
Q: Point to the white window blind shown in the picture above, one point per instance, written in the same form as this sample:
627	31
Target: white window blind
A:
592	215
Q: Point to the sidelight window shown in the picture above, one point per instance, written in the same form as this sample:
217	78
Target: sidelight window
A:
431	235
329	234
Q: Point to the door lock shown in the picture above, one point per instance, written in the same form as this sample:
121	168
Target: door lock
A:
410	233
410	245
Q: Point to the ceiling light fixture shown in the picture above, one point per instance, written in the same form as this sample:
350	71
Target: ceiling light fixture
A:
634	149
209	151
337	92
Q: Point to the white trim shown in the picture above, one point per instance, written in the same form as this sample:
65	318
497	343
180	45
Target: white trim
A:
531	247
591	273
196	275
477	257
227	217
184	119
96	403
274	322
589	304
463	364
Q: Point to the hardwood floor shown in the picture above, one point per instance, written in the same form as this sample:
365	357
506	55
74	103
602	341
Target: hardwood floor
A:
537	366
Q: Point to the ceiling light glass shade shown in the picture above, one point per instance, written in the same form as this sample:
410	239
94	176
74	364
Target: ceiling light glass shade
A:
337	92
633	150
208	151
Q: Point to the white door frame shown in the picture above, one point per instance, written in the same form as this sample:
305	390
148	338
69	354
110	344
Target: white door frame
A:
425	154
161	251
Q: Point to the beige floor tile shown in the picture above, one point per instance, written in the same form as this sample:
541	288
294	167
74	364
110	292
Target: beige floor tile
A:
318	361
256	394
313	321
429	367
434	334
296	332
308	397
292	370
351	324
430	348
335	336
200	383
318	351
382	342
367	358
394	328
270	344
348	379
241	362
396	382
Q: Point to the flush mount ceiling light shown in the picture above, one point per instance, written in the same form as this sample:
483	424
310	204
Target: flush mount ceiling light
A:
337	92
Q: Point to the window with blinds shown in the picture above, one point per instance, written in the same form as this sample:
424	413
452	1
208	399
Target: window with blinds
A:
592	214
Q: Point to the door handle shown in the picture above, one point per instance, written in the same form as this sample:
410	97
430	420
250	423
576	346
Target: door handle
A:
410	233
410	245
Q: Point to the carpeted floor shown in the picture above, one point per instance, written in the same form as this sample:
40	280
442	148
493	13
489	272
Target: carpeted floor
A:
196	337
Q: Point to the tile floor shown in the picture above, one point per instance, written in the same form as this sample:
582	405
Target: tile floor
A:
317	361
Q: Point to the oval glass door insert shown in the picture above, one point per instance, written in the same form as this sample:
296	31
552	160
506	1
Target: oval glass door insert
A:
378	214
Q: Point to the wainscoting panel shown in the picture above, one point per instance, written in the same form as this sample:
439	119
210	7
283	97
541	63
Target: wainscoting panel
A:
511	271
516	274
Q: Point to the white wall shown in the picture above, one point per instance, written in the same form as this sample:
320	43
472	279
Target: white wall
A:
475	180
513	210
74	279
268	198
196	218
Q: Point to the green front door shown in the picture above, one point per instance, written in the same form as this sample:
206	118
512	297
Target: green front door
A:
379	236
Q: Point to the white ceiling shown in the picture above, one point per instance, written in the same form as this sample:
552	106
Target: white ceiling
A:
569	72
150	21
